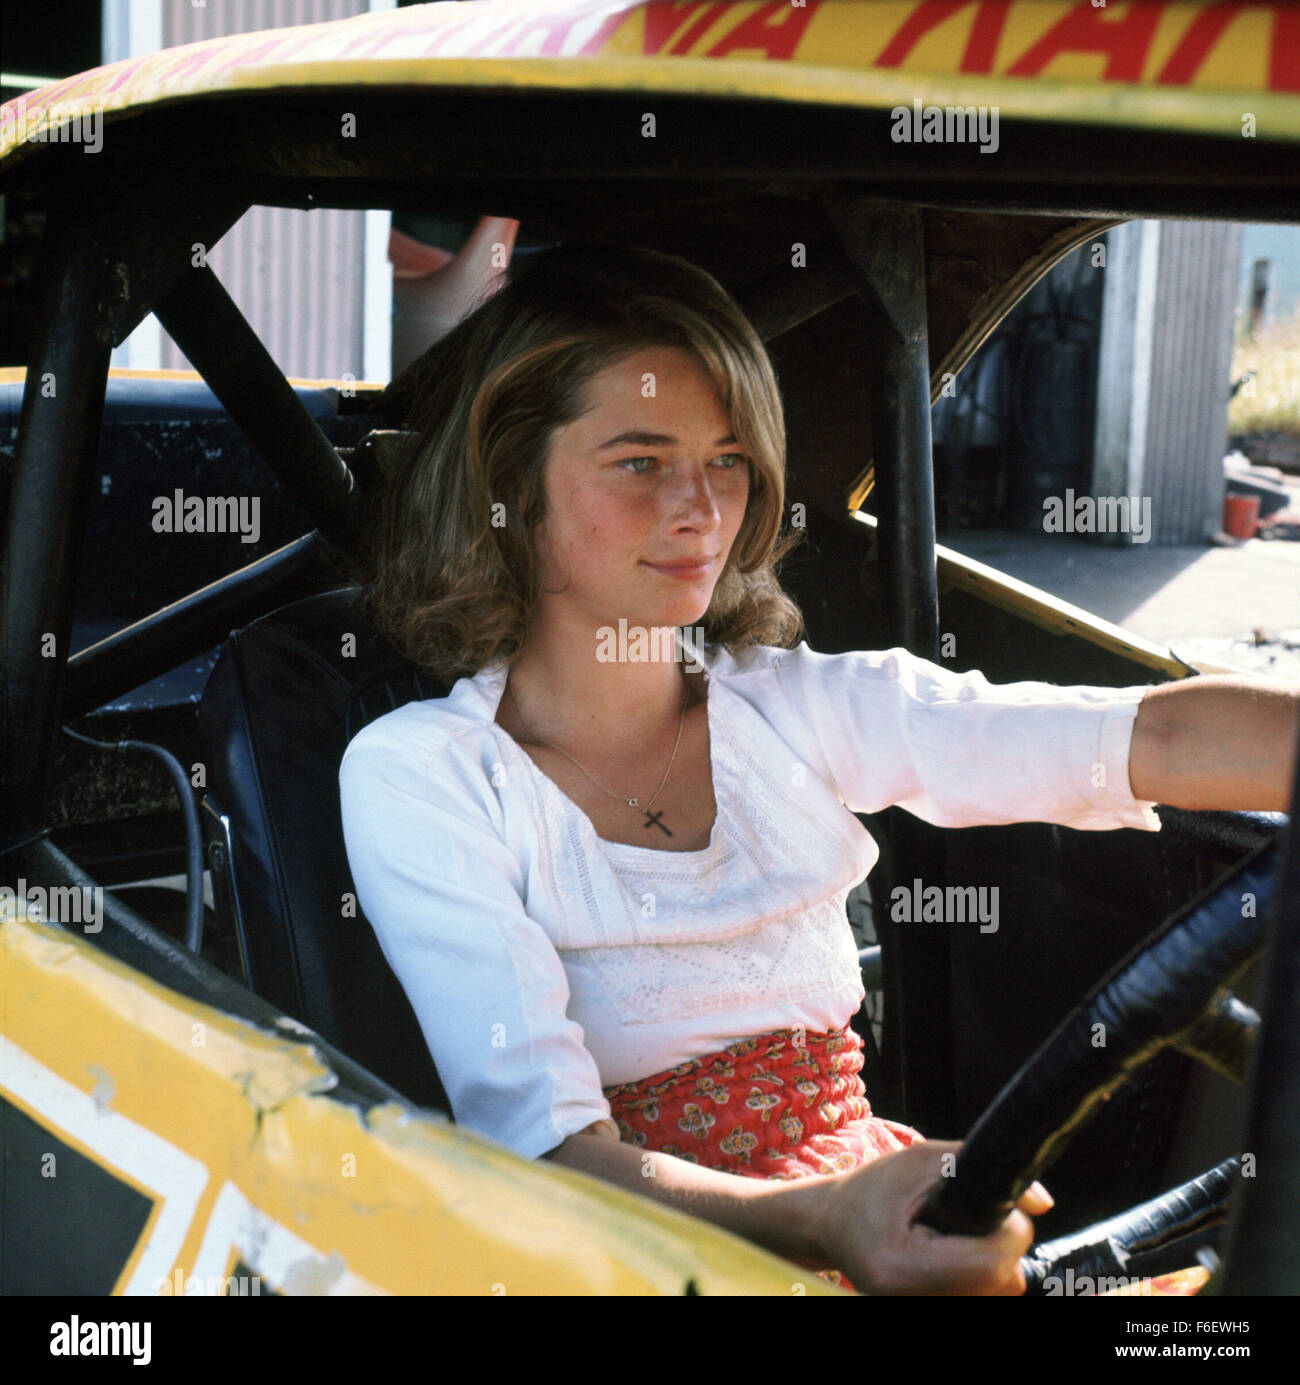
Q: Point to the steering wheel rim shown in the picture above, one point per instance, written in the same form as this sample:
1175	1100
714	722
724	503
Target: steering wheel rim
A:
1150	999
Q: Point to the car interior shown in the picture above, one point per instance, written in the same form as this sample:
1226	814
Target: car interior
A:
910	266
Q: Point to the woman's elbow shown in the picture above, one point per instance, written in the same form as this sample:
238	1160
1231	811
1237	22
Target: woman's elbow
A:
603	1129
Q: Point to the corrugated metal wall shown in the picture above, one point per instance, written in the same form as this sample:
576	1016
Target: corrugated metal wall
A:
1187	421
296	275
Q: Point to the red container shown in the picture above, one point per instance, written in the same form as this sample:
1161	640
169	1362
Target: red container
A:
1241	516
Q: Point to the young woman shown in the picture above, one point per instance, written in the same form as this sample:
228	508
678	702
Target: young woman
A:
610	867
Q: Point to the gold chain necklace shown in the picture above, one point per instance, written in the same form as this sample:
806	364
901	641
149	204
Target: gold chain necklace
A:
651	819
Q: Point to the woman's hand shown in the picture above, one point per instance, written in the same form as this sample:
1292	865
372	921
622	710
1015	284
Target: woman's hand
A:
871	1233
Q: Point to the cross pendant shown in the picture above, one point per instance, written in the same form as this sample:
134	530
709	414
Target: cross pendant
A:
652	820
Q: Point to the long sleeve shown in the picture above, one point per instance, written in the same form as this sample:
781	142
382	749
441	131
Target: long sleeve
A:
444	894
886	727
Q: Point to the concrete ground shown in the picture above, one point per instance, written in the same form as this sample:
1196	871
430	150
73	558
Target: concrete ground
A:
1238	604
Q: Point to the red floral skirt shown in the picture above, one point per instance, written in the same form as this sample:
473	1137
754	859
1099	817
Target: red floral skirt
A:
790	1104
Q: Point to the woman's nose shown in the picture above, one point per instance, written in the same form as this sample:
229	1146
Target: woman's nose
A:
692	496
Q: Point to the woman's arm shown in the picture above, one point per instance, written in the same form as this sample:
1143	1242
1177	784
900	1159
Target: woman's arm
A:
860	1222
783	1217
1217	741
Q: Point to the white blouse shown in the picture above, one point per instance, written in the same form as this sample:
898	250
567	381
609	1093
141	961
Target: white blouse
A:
545	963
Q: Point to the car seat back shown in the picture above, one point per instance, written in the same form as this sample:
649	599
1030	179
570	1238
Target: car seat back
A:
288	693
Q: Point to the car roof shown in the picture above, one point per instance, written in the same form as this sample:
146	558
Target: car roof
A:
1157	67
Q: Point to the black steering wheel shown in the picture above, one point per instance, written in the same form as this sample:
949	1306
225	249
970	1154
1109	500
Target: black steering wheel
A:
1171	990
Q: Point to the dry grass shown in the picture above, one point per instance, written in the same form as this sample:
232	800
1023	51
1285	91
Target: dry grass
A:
1274	356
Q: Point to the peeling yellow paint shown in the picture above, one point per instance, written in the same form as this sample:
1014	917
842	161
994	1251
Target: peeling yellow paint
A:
432	1208
102	1096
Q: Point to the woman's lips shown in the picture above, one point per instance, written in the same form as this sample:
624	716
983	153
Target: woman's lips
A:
691	572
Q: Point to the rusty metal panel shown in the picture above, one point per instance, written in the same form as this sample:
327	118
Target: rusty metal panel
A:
1187	429
296	275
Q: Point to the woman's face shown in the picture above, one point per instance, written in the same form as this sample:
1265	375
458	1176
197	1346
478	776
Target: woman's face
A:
647	479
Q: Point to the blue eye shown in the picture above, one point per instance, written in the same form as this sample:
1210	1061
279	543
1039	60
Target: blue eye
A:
730	460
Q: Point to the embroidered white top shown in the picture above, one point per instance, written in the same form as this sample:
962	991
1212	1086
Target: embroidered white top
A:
545	963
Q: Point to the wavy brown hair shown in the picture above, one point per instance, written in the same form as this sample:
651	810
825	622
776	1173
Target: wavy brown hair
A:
454	573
